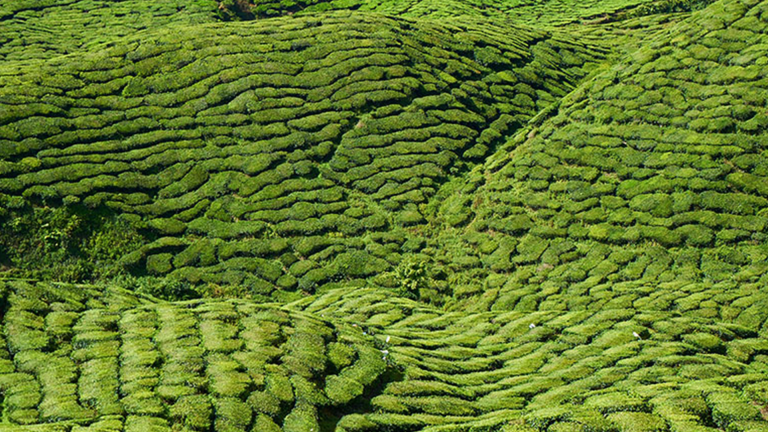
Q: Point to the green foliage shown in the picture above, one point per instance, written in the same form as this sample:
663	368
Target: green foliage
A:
637	422
614	402
69	244
213	149
727	408
706	342
164	288
341	390
422	218
411	276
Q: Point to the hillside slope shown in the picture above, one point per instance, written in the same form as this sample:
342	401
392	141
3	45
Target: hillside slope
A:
649	175
108	360
32	30
218	147
80	358
365	222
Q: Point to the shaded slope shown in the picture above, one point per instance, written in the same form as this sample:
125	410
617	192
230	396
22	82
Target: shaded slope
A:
651	175
262	153
540	13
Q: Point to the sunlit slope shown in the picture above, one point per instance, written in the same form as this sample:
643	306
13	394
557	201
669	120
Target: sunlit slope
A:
90	359
613	369
80	358
41	29
651	176
264	153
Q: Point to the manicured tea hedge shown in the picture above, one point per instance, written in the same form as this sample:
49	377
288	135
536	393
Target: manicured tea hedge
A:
196	145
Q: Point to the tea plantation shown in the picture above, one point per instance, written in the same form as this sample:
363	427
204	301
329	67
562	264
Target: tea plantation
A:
384	215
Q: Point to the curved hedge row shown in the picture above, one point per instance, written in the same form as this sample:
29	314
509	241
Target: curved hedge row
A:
103	357
265	154
83	358
598	367
651	173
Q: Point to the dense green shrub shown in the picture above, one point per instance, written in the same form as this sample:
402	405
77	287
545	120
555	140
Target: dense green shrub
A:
341	390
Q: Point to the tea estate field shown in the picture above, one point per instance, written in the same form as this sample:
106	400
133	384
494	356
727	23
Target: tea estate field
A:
384	215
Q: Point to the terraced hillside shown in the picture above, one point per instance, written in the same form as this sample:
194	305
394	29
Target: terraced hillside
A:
395	216
600	368
110	360
218	148
537	12
651	174
40	29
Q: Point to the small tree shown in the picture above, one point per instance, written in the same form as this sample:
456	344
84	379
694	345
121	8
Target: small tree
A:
236	9
419	279
411	275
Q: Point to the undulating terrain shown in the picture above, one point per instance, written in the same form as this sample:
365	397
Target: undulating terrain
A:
384	215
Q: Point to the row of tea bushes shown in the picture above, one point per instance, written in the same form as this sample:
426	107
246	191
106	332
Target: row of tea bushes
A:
648	174
218	143
41	30
601	369
106	358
